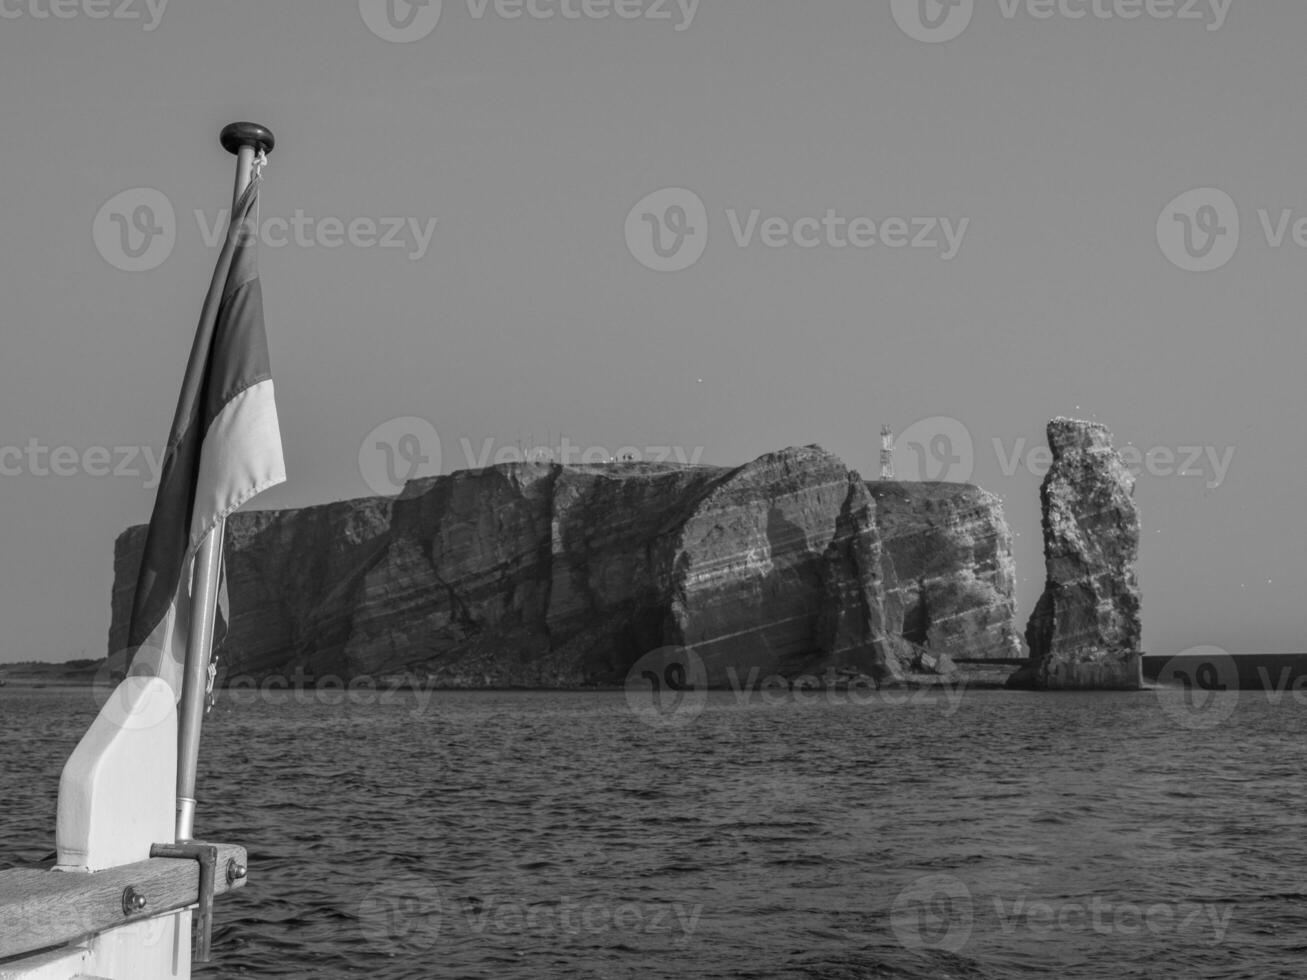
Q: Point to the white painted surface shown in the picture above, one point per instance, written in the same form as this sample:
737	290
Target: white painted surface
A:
157	949
49	966
147	950
117	797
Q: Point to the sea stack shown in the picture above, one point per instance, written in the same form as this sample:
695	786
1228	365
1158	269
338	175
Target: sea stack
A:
1084	631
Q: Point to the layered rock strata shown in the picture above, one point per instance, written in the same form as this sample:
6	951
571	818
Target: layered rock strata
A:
1085	629
540	575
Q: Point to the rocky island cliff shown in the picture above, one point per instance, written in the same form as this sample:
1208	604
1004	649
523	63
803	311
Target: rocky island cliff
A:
541	575
1084	632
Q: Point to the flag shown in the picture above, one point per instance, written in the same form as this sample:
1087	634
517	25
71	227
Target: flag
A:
223	449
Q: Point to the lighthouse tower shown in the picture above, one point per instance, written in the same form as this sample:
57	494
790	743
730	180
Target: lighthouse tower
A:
886	453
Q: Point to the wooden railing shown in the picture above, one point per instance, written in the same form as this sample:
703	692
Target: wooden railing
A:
42	910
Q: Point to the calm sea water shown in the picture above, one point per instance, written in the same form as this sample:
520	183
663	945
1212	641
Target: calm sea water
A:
556	835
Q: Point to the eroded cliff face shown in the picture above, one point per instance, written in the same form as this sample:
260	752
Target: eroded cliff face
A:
547	576
776	570
1085	629
292	578
950	579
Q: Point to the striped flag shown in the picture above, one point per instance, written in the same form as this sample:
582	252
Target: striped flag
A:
223	449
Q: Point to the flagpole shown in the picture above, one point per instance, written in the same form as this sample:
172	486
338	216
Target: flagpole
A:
245	140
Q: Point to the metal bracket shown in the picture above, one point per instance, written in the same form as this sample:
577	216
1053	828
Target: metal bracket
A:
207	855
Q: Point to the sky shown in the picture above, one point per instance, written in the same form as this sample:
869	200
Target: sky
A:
717	229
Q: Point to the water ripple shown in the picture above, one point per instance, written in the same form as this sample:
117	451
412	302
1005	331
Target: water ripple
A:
554	835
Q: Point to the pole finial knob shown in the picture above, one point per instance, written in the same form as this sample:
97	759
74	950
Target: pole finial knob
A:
238	134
